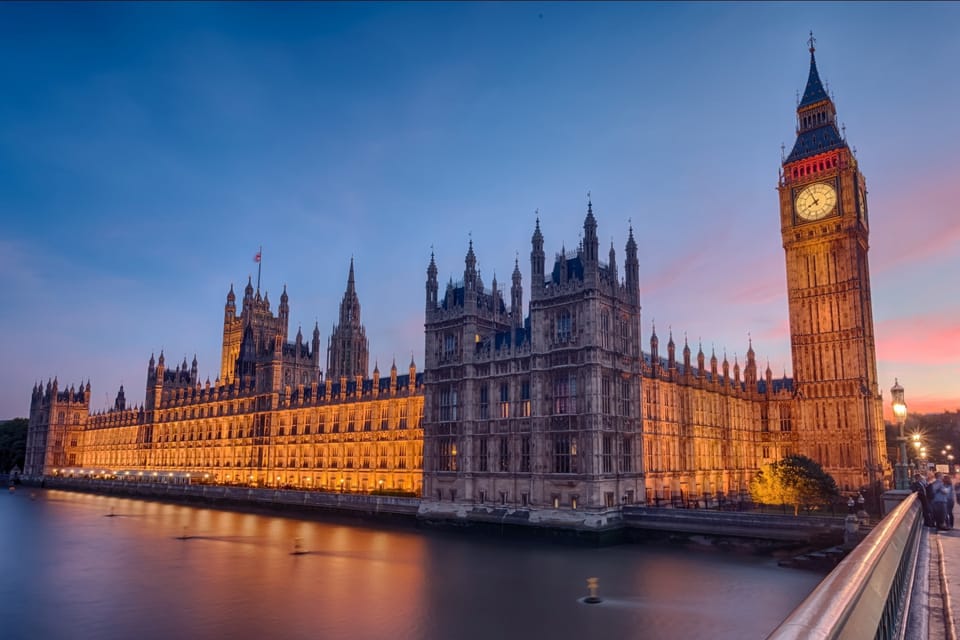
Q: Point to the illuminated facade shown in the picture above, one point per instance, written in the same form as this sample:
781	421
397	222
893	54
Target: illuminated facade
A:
825	231
274	423
559	408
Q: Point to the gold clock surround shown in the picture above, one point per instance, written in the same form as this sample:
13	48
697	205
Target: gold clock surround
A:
816	201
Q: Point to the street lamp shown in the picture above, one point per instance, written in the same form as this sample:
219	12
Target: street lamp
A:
900	412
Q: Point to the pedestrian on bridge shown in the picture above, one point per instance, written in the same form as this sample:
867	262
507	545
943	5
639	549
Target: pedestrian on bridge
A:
942	498
919	485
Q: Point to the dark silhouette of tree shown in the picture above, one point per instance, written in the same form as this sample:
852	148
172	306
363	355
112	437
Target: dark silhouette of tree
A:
13	444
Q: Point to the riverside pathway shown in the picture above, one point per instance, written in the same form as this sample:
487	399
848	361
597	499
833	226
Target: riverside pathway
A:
942	584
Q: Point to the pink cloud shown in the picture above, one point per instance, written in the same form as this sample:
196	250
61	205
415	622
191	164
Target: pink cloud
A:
923	222
932	338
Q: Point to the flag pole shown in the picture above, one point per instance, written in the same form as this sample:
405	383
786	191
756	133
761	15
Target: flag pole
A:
259	263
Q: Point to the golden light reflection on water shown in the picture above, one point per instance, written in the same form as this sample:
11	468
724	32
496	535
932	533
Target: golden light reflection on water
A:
156	570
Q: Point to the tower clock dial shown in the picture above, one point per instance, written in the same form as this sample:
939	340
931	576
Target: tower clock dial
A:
816	201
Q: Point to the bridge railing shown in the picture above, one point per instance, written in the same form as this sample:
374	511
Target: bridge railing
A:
868	594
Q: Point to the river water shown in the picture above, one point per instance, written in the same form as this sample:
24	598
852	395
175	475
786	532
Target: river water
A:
68	570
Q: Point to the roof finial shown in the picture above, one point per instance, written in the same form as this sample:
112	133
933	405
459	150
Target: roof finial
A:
812	41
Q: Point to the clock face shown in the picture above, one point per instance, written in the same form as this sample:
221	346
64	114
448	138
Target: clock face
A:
816	201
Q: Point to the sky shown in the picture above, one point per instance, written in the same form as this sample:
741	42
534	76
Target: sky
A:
148	150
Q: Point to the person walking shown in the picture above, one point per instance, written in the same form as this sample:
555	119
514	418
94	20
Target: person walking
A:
942	496
947	481
919	485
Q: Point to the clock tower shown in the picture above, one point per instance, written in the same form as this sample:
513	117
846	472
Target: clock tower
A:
825	231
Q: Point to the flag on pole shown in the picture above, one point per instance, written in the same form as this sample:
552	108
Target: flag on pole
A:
256	258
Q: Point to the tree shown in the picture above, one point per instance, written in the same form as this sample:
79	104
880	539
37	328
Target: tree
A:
795	480
13	443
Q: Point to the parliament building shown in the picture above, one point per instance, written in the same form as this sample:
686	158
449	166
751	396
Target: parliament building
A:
554	405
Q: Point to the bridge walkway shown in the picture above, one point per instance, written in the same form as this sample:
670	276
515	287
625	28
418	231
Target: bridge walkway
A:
944	583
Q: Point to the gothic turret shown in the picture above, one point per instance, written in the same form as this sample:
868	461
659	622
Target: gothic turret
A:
432	284
230	308
283	311
348	351
654	347
248	292
591	244
516	297
537	259
750	370
632	268
614	278
671	353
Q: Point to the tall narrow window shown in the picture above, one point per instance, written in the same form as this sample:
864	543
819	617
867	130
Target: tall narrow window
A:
564	326
564	393
562	453
504	407
607	460
626	465
448	404
625	397
446	454
606	393
484	402
504	455
384	417
525	399
483	455
525	449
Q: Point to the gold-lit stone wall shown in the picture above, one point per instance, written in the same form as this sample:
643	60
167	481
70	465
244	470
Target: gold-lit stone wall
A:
350	442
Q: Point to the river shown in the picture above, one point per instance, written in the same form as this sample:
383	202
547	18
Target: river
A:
77	566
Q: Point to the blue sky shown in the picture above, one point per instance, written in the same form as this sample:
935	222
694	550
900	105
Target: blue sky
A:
147	150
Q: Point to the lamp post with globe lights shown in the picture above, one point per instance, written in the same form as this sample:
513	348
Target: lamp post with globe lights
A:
900	412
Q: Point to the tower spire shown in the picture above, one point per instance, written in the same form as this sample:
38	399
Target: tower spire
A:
814	91
257	258
817	130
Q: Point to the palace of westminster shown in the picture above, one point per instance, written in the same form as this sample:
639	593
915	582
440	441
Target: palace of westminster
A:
557	405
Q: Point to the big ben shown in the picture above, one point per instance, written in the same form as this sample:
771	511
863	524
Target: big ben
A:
825	230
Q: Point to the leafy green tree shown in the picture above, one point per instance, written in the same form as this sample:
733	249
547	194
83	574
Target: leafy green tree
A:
795	480
13	443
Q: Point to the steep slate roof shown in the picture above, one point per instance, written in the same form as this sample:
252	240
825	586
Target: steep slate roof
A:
820	139
810	143
814	91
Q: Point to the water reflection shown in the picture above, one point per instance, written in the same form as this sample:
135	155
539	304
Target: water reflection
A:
70	572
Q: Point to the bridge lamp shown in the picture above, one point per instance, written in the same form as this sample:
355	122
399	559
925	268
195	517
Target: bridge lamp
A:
900	412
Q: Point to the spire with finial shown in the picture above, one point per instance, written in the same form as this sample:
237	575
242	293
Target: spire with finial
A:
591	244
814	91
816	117
432	286
351	284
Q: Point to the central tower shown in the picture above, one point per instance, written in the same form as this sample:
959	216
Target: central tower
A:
824	228
348	353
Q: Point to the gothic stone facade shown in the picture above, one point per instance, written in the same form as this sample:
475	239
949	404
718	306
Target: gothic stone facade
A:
275	422
555	410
